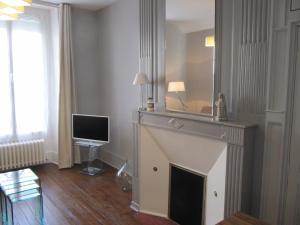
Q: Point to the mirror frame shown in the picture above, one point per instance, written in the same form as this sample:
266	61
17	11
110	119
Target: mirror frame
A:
216	75
152	47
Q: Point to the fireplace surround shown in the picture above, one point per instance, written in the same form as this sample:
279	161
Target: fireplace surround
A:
220	150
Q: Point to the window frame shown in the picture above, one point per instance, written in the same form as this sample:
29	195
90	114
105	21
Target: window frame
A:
44	16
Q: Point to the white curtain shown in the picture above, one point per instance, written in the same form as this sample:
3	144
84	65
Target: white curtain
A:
6	126
67	94
28	79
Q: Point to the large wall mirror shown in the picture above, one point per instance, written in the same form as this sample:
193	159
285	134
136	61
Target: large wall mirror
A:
190	56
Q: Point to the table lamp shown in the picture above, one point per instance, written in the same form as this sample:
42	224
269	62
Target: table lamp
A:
141	79
177	86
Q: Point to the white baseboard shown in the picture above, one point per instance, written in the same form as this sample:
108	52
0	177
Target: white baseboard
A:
154	214
107	157
51	157
114	160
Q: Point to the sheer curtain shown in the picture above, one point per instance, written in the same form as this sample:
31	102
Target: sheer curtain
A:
6	129
28	79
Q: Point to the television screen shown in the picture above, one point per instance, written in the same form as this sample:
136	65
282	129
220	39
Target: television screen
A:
90	128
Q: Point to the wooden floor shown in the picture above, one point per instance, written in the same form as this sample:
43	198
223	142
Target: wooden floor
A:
241	219
71	198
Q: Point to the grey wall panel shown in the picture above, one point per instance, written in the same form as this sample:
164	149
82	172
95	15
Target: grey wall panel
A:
152	41
251	56
245	87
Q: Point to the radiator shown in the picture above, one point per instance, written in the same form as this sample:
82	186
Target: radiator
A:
21	154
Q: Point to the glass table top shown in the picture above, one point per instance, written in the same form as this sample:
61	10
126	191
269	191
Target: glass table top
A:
19	185
15	177
25	195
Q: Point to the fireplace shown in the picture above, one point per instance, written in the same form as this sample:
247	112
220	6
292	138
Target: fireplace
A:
221	151
187	196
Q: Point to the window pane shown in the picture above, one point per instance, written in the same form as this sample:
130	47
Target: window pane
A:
29	85
5	92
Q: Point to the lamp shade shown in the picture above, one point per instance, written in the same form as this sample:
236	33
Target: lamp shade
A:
7	9
140	79
176	86
210	41
17	2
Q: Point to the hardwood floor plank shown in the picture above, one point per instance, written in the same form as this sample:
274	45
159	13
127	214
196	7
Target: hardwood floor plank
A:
71	198
83	199
241	219
22	218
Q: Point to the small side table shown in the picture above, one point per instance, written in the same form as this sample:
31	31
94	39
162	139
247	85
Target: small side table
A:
17	186
241	219
93	149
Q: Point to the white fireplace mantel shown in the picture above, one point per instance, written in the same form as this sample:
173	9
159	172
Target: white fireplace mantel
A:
238	136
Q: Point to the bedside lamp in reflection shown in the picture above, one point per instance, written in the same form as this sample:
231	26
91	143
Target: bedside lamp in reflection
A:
177	86
141	79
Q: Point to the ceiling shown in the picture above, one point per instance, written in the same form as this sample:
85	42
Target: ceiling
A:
191	15
86	4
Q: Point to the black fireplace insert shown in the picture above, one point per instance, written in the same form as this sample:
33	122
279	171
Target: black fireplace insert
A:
187	196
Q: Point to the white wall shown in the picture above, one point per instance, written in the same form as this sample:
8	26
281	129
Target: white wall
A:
118	39
199	67
85	42
175	53
106	60
85	50
175	63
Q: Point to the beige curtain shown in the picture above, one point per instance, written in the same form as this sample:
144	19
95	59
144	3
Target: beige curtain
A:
67	93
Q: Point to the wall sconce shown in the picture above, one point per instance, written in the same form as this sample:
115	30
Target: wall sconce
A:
210	41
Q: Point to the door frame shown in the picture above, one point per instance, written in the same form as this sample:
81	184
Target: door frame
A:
294	33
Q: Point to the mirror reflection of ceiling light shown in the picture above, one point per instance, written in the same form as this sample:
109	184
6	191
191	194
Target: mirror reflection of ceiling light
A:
7	9
9	17
17	2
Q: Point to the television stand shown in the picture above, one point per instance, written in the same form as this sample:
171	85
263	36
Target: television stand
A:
93	148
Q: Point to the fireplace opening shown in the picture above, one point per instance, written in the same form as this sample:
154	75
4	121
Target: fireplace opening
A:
187	196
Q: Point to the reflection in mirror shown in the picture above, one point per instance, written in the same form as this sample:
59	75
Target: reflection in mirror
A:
190	28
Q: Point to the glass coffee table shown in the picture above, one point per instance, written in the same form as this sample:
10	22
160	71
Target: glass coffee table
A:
17	186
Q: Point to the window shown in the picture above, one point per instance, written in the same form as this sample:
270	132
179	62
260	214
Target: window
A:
26	76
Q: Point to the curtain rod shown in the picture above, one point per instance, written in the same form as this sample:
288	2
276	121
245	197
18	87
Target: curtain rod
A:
43	3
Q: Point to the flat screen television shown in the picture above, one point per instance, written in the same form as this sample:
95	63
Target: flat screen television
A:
91	128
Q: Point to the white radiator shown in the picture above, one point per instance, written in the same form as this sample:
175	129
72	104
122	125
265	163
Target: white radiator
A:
21	154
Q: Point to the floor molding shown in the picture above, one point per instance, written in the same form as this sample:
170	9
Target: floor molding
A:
106	156
114	160
51	157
